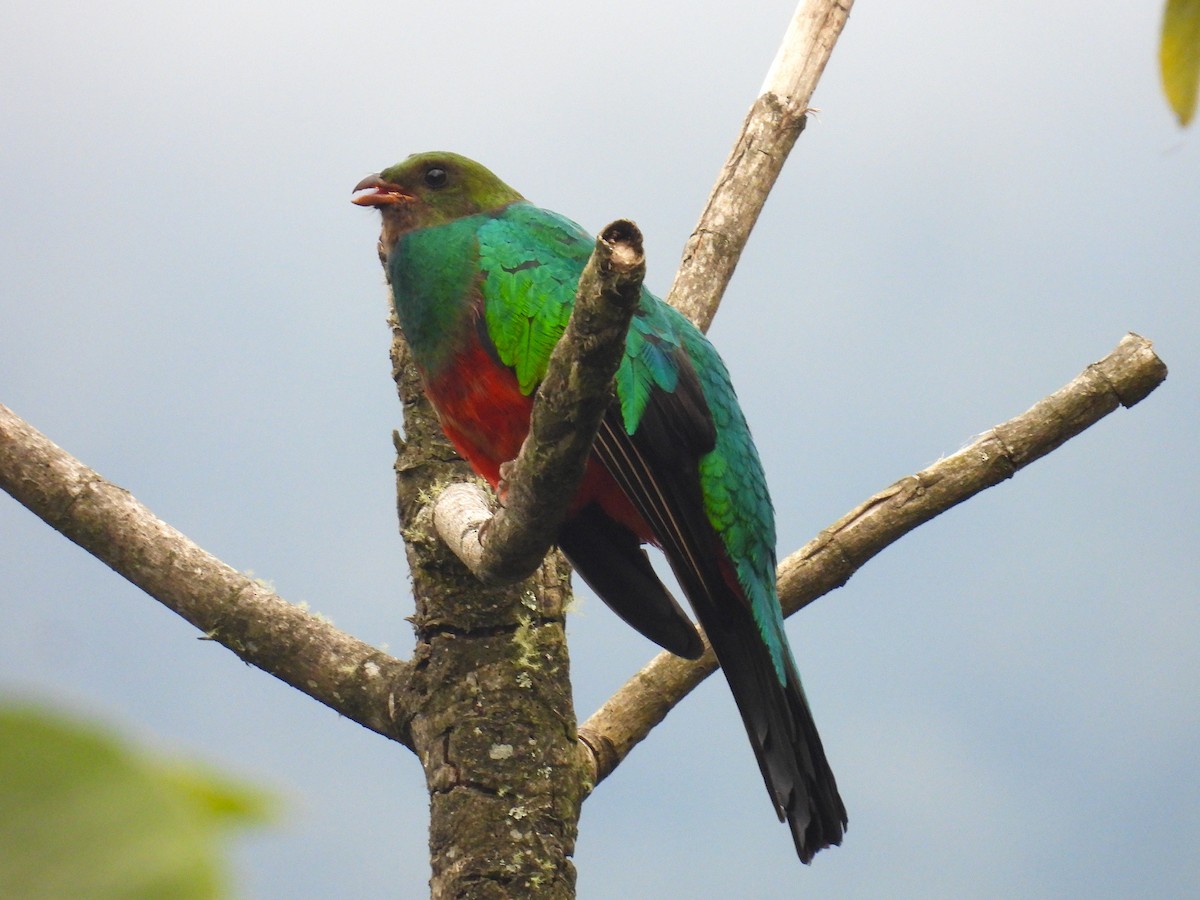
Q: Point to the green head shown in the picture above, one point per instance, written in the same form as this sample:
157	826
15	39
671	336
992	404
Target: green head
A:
429	189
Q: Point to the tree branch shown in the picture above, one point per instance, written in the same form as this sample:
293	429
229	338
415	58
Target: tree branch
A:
1123	378
539	484
768	133
351	677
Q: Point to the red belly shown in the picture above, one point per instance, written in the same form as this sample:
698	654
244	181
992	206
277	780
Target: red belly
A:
486	417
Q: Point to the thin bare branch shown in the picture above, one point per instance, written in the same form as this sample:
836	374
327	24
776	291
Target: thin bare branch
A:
770	130
511	544
1122	378
232	609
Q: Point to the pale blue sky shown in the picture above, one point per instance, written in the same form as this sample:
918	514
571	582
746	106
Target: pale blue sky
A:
991	197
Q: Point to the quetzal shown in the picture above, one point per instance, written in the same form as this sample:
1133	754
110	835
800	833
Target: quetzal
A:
483	284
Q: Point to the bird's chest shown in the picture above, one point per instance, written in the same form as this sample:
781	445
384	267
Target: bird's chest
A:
481	408
486	417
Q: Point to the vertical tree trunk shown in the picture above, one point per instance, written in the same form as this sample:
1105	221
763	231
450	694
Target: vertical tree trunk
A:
494	725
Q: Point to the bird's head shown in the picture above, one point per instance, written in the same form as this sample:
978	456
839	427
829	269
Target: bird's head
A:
429	189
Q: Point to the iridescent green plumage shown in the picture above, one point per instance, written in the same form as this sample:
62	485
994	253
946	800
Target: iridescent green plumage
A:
484	284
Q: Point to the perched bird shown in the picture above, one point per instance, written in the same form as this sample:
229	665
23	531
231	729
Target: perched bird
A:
483	284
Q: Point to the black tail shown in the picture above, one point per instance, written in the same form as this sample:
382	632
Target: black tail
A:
781	730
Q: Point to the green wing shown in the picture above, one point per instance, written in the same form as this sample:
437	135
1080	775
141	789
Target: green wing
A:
531	260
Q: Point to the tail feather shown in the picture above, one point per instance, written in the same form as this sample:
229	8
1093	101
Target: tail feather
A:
781	730
610	559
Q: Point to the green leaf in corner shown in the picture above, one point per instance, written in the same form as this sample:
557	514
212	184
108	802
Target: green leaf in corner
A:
84	815
1179	56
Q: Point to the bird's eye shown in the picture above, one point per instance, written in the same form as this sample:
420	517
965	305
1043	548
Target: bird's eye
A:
436	177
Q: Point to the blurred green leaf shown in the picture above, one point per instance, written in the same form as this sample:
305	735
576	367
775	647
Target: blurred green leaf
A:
84	815
1179	56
